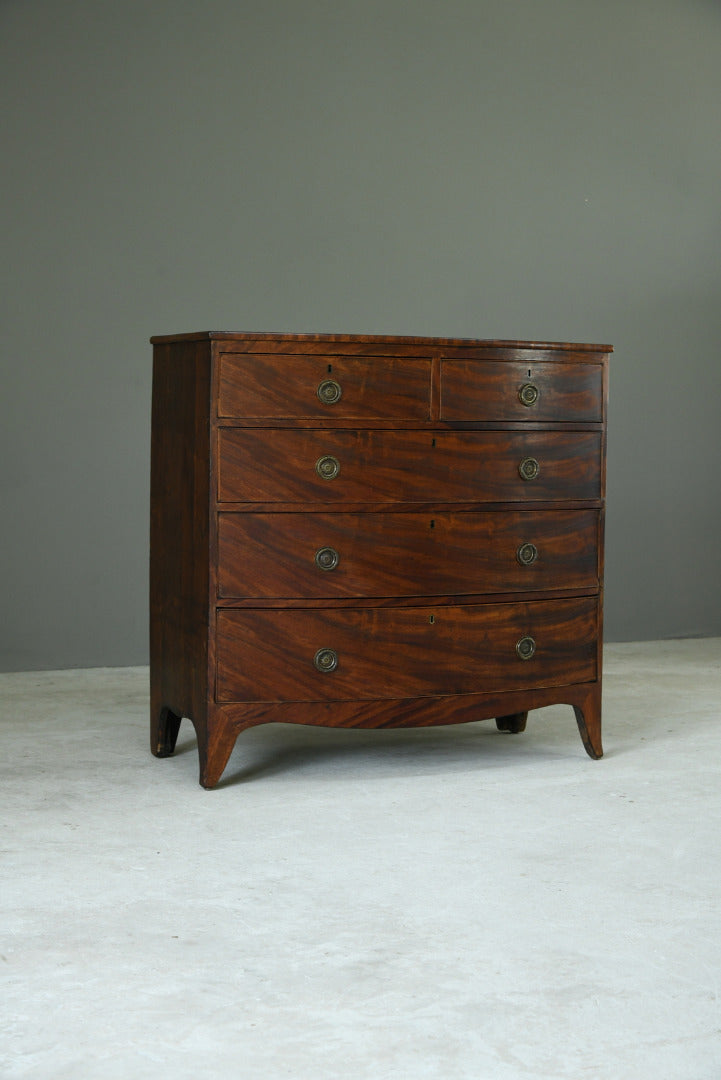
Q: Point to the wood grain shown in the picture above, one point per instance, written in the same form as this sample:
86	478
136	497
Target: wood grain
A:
390	554
268	655
272	465
473	390
273	385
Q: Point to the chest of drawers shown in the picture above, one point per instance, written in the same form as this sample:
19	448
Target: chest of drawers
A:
373	532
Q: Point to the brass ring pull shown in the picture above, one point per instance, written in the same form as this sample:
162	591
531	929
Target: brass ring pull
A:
326	558
529	469
327	467
528	394
329	392
527	554
326	660
525	648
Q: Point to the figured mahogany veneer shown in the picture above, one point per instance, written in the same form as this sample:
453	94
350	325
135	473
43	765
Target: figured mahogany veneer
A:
285	385
267	556
403	652
268	465
566	391
373	532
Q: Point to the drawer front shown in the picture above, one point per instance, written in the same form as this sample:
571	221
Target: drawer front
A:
337	654
282	555
545	391
256	386
377	466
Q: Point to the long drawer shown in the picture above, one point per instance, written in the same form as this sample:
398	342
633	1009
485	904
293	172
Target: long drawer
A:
335	387
546	390
333	466
339	654
333	555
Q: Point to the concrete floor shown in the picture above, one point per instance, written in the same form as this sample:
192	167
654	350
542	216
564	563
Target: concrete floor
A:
450	903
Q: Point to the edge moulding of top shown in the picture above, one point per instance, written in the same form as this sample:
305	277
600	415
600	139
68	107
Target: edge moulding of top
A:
501	343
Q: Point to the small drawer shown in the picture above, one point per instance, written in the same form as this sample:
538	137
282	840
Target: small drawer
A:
342	654
536	390
330	556
289	386
378	466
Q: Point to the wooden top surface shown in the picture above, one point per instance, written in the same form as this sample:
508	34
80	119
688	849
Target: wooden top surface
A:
441	342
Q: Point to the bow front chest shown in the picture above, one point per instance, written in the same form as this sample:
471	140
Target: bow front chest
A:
373	532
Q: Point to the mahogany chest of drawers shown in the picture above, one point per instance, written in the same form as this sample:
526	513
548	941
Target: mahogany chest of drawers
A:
373	532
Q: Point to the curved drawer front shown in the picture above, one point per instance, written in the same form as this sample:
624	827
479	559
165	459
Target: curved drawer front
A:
281	555
340	654
541	391
328	466
287	386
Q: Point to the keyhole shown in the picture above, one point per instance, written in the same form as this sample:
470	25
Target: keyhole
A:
529	372
433	442
431	619
433	524
330	369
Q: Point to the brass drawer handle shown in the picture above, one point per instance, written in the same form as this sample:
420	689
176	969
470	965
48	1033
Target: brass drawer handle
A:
327	467
326	558
326	660
527	554
528	394
529	469
329	392
525	648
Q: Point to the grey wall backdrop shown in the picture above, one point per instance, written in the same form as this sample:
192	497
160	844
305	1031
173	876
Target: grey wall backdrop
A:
488	169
